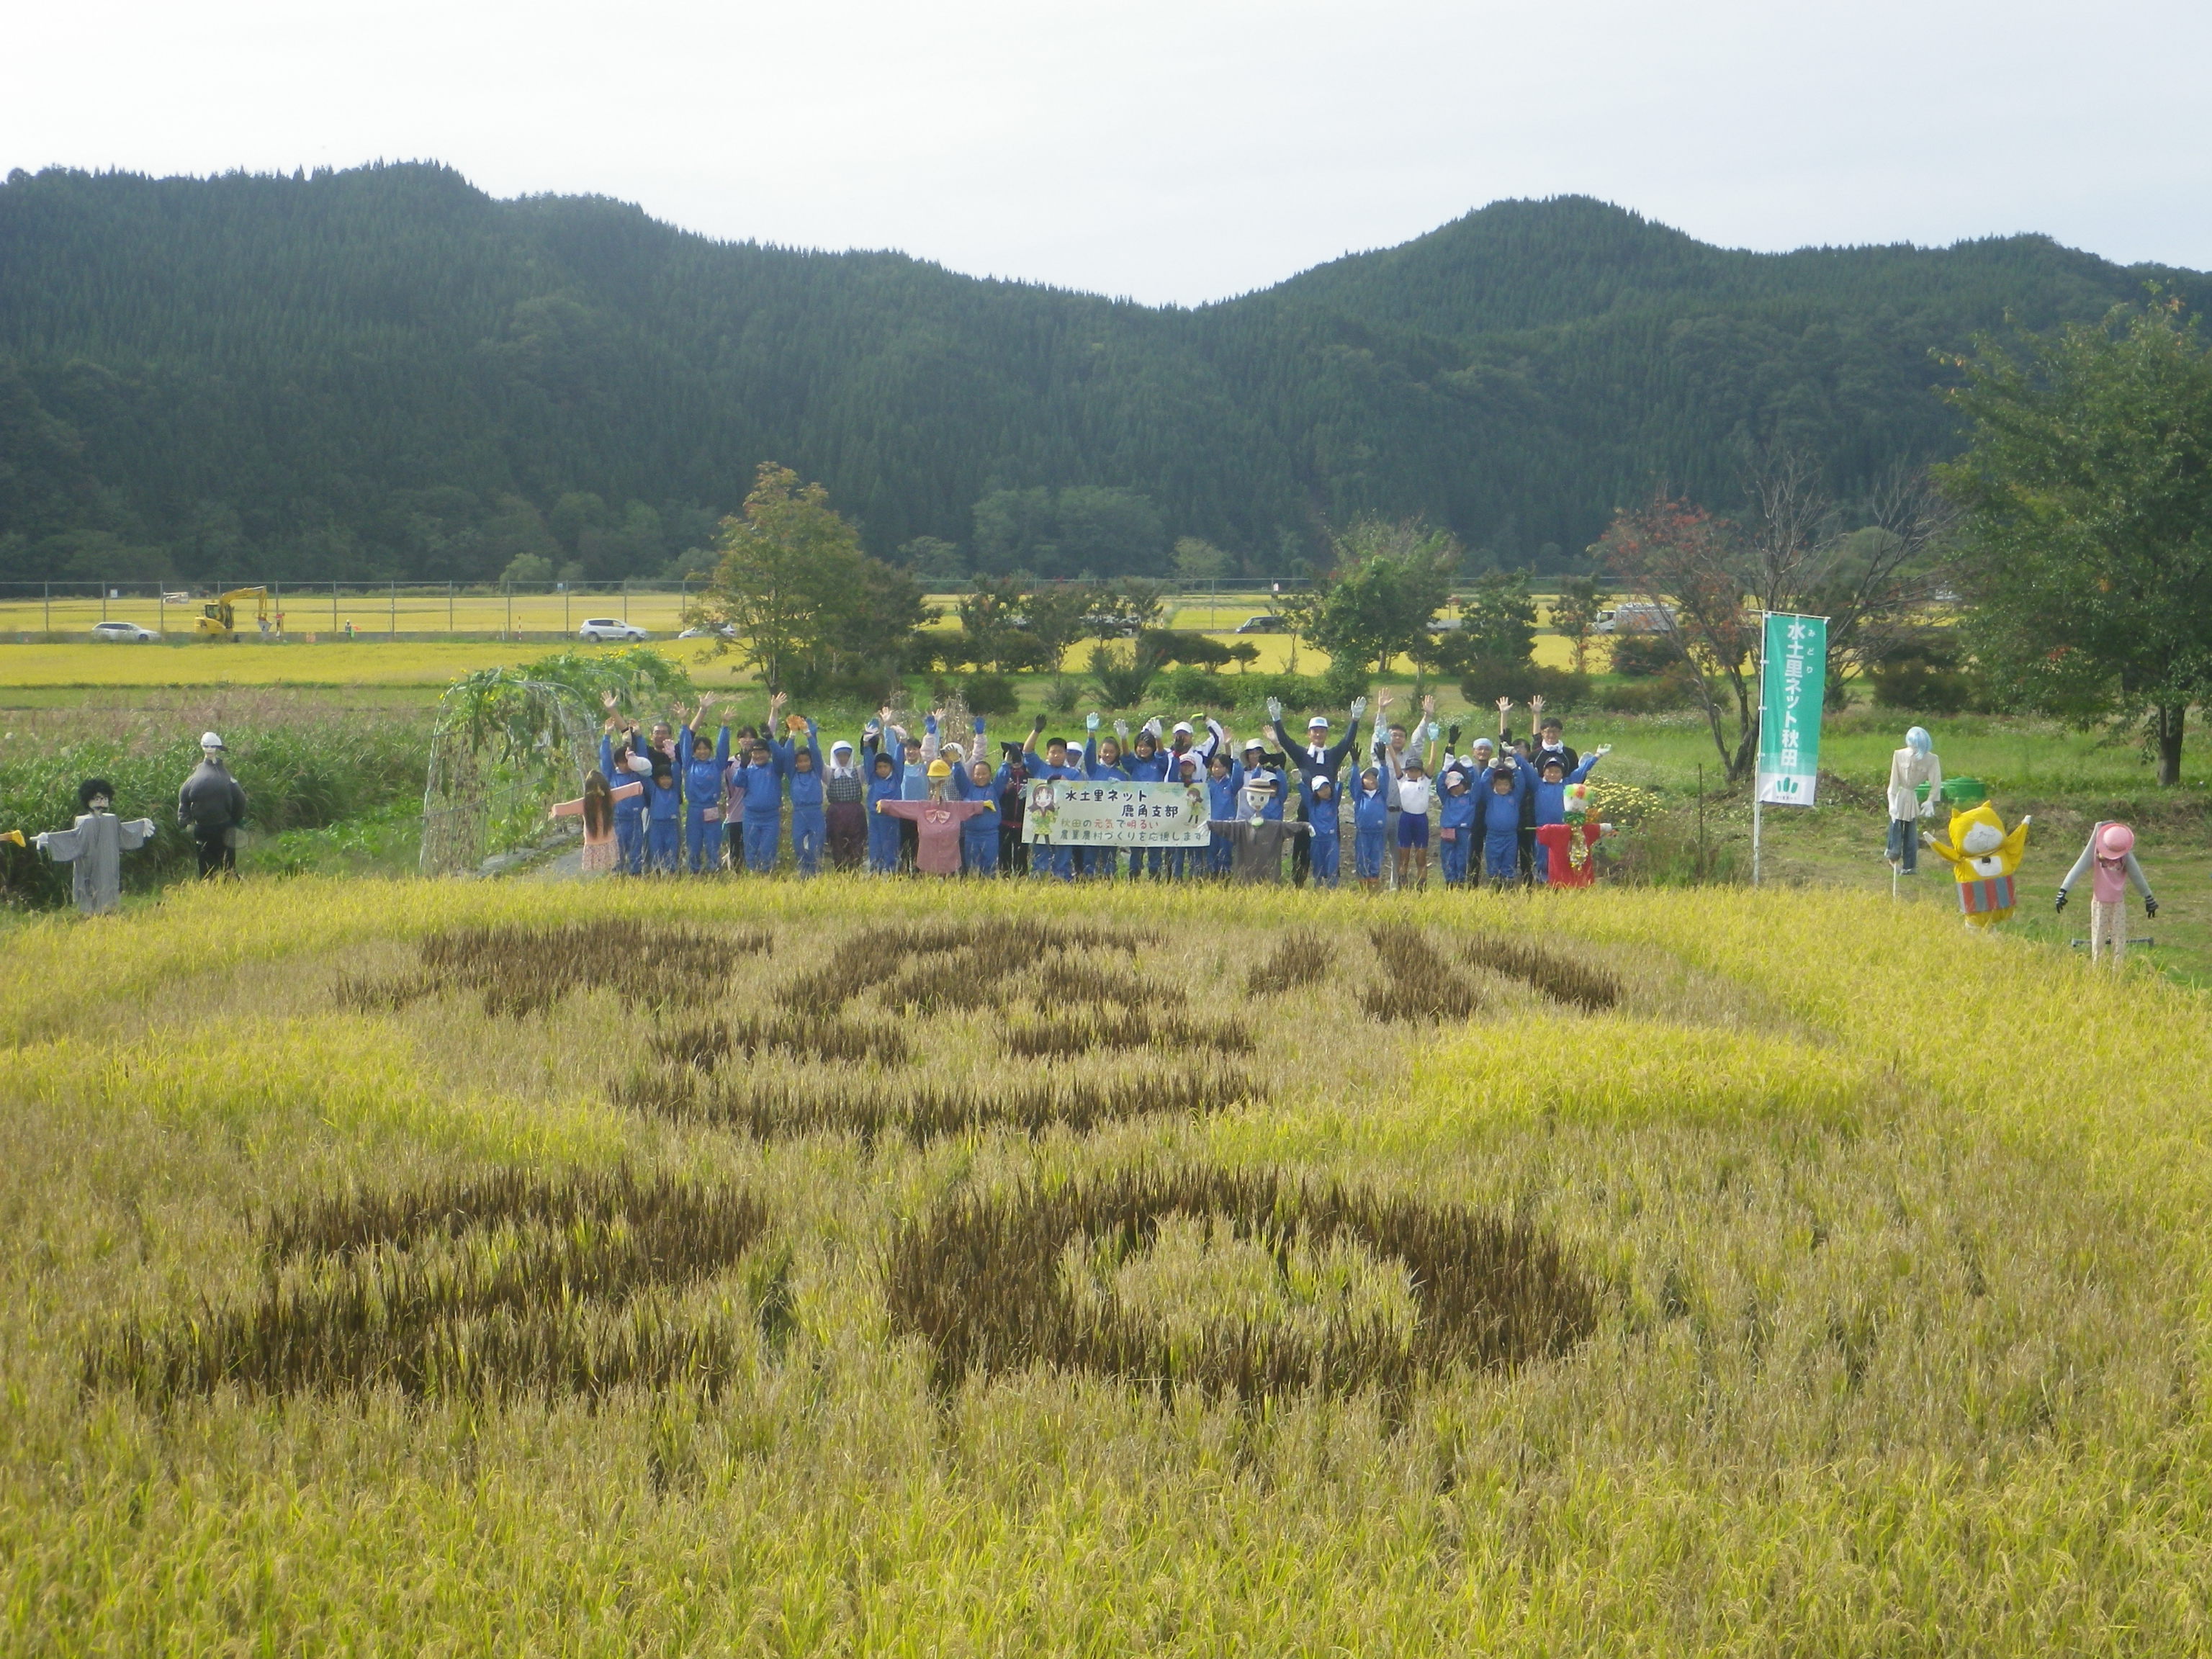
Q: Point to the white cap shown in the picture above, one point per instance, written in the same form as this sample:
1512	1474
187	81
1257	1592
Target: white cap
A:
1250	744
1482	743
1183	726
1318	722
209	740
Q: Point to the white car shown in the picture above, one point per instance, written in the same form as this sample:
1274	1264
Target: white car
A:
724	629
122	633
599	628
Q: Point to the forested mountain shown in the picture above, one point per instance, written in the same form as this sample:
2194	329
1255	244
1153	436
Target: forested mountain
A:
386	371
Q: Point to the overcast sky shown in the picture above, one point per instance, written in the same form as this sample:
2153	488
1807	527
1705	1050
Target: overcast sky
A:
1173	151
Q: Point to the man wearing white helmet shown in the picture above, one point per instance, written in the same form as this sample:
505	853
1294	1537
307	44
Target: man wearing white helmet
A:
211	807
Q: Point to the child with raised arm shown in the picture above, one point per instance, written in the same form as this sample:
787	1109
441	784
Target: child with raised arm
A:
1220	806
884	783
1455	816
702	788
1102	763
1370	826
597	807
629	804
1505	796
979	836
1053	766
803	770
761	781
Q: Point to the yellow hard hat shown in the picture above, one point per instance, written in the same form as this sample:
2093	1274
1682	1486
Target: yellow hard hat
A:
938	768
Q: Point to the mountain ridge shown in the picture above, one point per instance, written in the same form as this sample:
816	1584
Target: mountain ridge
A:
387	371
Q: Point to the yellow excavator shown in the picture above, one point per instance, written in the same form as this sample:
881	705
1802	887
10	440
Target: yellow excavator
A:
218	617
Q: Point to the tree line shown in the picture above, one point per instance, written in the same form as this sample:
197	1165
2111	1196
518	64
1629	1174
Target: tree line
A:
384	372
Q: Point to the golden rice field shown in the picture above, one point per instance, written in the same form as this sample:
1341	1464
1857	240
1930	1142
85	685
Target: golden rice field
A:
768	1267
376	658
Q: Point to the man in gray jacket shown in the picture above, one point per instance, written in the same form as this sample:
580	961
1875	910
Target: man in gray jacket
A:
210	806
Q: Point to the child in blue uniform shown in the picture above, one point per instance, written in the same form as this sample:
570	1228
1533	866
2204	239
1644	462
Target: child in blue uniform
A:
1456	826
1057	862
629	809
1323	819
663	819
760	780
702	790
1371	825
1220	807
1504	791
803	766
1102	763
885	784
979	835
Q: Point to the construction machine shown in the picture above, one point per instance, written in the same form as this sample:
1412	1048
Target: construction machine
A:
218	617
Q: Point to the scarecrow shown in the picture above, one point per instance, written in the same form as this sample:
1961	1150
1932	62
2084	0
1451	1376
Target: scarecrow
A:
1982	858
1569	847
95	844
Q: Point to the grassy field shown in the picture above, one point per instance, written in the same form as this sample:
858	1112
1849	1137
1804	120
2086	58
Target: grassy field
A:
703	1269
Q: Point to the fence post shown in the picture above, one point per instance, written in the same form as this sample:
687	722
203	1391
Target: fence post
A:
449	607
567	592
50	607
507	588
625	598
334	610
395	609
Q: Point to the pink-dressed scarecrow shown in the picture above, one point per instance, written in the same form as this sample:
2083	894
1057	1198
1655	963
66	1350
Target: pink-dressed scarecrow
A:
2110	860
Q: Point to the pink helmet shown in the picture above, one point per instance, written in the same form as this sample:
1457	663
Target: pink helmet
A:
2115	841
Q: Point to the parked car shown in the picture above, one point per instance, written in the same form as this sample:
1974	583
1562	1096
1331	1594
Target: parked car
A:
1263	625
600	629
1640	617
724	629
122	633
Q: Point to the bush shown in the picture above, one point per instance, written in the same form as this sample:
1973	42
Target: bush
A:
1195	687
990	693
1122	676
1927	674
1165	646
1561	691
1658	697
1644	656
1344	681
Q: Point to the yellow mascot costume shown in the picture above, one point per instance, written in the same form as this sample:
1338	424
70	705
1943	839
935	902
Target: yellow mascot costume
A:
1982	858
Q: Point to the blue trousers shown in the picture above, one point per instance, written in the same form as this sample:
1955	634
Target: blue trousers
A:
1543	863
978	851
1174	862
809	826
883	844
1452	855
1056	862
1501	854
1325	852
1220	855
1905	845
1367	852
762	837
629	842
1105	863
703	839
664	845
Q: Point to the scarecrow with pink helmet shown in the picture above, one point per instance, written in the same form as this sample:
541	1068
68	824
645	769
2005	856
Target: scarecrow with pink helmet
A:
2110	858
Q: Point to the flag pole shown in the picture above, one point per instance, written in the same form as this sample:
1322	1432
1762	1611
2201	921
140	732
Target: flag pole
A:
1756	792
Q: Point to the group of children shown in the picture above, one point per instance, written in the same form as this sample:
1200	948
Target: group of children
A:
1505	810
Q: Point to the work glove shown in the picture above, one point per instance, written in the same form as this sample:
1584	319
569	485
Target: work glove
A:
1359	706
2060	903
1452	738
1603	749
2150	905
1091	721
1275	708
1121	730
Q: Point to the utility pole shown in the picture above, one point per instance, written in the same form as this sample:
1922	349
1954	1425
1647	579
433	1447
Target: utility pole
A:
395	610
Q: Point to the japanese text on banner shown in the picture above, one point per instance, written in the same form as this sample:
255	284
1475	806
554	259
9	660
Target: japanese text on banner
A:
1793	683
1077	812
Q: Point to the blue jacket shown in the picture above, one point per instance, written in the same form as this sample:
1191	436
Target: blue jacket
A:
1221	796
1097	770
1370	808
966	788
1552	798
1458	811
629	806
1326	816
702	780
1240	777
662	804
1501	814
762	787
1332	760
1039	767
1146	768
806	786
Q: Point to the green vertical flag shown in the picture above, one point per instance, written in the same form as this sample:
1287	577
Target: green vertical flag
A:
1792	682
